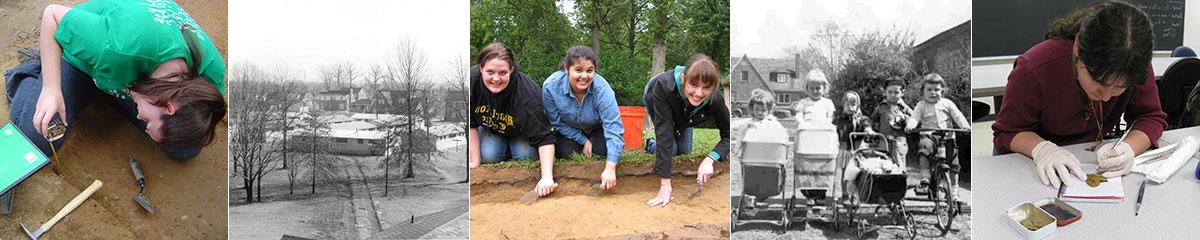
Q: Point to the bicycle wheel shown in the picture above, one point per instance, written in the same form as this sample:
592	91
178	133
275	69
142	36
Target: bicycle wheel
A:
944	204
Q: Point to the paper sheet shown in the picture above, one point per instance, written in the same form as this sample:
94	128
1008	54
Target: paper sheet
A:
1110	191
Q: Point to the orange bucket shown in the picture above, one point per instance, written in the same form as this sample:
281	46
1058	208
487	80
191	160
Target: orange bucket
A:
633	117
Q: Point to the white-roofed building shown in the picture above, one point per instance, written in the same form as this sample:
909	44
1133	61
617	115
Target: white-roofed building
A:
355	125
343	141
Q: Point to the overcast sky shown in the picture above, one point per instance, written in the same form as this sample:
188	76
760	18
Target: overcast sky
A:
305	35
765	29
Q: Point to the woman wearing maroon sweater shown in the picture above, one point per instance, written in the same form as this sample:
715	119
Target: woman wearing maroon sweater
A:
1093	67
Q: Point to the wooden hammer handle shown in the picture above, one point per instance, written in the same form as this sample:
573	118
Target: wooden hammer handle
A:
73	204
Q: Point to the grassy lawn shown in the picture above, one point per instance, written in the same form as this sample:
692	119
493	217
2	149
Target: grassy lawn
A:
703	140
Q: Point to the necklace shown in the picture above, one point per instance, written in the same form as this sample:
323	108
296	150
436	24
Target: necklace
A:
1099	125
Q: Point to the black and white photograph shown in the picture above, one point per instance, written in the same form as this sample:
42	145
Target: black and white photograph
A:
347	121
848	119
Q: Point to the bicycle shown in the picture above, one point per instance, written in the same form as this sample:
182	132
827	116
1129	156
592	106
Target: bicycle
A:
943	191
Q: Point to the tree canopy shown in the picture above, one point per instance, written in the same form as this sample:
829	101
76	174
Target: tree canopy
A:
625	34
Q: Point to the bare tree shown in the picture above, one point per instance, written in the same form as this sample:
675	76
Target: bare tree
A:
339	75
316	145
251	150
373	79
287	94
407	68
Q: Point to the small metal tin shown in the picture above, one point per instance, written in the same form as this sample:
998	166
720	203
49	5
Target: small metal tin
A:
1061	211
1041	222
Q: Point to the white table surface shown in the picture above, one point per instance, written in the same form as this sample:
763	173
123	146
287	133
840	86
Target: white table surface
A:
1169	211
989	80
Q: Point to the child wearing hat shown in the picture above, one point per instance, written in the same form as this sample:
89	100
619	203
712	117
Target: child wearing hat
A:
890	118
816	109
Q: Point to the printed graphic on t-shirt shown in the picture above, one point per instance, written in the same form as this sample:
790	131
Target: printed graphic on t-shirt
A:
496	120
167	13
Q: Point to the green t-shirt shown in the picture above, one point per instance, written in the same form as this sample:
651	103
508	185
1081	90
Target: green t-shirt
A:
121	42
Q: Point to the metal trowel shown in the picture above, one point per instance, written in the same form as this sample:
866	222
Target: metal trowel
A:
595	190
532	196
140	198
696	193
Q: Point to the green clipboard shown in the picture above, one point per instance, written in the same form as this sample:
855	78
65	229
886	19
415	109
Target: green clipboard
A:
19	158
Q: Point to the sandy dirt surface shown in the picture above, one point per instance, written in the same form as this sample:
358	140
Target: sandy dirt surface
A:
621	213
348	207
188	196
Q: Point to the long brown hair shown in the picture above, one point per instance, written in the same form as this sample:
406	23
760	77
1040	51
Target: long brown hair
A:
1116	40
496	51
701	68
199	105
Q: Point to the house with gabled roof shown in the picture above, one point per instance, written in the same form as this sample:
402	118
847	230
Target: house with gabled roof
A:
783	77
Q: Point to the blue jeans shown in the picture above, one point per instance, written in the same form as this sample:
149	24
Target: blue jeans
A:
494	148
24	86
683	143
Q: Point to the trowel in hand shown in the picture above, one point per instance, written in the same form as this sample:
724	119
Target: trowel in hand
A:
532	196
595	190
140	198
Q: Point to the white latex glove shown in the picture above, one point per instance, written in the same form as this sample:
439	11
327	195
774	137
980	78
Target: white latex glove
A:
1053	162
1115	162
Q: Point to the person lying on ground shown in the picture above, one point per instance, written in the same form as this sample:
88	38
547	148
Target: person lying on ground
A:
153	63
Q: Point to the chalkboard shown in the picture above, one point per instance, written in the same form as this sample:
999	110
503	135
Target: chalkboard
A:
1008	28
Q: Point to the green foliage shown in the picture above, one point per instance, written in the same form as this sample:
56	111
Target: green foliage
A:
871	60
539	34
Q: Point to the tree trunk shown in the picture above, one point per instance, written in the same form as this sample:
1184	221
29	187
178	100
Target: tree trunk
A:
595	27
247	183
258	189
291	180
291	171
386	170
313	166
633	15
408	170
658	56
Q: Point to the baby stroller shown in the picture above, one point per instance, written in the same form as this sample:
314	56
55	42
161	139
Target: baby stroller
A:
878	185
763	165
816	174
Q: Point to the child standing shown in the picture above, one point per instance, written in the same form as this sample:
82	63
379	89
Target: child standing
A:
851	119
816	110
889	118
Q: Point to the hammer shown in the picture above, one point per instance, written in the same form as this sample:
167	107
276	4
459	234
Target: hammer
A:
62	213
